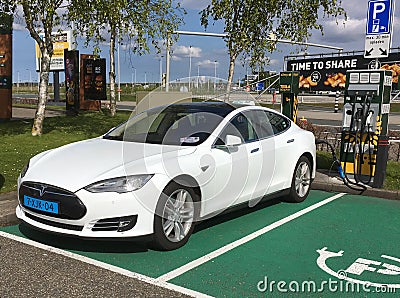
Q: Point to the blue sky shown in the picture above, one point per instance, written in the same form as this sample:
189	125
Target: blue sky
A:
205	50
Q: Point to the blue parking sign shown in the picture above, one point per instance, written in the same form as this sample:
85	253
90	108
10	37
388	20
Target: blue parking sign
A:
380	14
260	86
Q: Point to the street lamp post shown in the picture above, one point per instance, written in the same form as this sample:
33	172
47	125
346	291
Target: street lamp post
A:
18	82
119	71
190	64
215	73
161	72
30	78
198	74
132	83
135	78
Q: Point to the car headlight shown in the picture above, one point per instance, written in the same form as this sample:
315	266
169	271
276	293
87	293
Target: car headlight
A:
119	185
24	170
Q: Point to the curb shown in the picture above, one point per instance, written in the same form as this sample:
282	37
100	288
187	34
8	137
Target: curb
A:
9	202
329	183
8	196
9	220
373	192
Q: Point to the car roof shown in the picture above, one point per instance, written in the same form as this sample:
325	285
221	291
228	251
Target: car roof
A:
220	108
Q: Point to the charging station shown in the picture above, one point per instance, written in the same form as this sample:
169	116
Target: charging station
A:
289	89
364	139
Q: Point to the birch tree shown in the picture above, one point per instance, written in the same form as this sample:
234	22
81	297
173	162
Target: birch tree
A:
136	23
248	24
41	17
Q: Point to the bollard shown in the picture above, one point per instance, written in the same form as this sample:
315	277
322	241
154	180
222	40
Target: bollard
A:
337	101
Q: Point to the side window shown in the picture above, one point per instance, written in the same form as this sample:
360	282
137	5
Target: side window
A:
279	124
262	125
241	126
267	124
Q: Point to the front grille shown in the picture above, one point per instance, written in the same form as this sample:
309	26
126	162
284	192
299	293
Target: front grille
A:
54	224
118	224
70	206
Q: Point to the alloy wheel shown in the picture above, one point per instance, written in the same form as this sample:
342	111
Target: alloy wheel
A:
303	179
177	217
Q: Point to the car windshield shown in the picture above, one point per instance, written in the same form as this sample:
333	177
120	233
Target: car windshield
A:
182	125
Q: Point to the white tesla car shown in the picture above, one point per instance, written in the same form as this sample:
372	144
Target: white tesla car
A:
165	169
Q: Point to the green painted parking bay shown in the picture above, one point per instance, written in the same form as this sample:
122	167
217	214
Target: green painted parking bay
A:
357	238
210	235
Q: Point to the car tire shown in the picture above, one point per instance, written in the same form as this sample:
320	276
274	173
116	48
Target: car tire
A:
301	181
176	214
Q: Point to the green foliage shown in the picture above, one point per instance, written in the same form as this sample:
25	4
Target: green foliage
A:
135	22
324	160
250	22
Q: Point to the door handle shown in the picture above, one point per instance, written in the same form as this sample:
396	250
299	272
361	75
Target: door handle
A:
290	141
254	150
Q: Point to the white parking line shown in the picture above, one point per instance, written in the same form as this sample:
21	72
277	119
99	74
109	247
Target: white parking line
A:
212	255
106	266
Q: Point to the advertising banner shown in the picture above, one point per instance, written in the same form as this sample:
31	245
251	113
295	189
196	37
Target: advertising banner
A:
94	75
6	21
61	41
72	79
329	73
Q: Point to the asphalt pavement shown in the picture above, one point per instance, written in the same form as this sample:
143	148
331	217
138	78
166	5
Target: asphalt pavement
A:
55	275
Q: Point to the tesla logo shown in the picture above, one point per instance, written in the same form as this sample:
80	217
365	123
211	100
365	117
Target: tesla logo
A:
41	189
359	267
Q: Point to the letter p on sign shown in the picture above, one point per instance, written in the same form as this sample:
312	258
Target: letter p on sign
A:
379	7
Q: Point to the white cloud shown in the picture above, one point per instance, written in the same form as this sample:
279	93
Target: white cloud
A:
352	30
19	27
275	62
207	63
186	51
179	52
195	4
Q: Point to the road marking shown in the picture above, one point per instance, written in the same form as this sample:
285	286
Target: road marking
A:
106	266
212	255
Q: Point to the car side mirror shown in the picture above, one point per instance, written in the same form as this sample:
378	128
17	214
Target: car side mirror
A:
231	140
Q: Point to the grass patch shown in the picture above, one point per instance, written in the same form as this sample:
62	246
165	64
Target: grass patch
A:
324	160
17	145
392	180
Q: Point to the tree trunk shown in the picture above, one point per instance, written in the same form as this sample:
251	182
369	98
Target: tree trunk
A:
230	73
113	102
37	128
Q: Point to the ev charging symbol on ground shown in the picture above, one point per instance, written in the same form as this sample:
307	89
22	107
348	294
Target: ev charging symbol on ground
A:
359	267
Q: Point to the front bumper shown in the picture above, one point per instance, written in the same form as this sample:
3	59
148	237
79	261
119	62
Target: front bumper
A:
108	215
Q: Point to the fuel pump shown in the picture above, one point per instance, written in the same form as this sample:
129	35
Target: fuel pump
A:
289	89
364	139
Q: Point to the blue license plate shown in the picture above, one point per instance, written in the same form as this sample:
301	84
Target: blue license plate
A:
42	205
